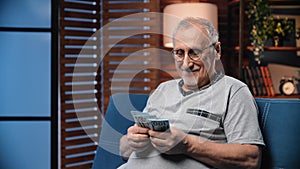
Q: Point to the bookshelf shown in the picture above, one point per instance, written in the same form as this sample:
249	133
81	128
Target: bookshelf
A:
272	48
240	49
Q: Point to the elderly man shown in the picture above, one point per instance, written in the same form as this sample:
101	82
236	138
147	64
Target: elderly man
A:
213	117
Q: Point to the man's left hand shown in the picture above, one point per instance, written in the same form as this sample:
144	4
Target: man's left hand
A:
172	141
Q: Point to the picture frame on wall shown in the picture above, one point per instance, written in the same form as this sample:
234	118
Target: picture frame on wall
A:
296	21
293	13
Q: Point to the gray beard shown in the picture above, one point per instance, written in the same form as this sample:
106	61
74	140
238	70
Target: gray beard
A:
190	83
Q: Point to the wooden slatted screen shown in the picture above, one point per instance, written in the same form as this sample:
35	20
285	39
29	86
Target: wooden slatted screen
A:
79	82
131	42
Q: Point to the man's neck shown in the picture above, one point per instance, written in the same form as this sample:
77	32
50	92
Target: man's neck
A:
195	87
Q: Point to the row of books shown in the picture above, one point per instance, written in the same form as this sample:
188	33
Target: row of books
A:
258	79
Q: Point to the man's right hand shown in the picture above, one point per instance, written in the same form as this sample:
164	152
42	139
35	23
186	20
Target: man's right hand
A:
138	138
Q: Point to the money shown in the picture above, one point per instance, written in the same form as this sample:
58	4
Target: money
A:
159	124
150	121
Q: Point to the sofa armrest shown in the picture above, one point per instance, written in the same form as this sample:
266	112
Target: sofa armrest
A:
280	125
114	126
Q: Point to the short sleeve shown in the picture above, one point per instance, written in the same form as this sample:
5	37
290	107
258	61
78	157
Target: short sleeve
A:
241	121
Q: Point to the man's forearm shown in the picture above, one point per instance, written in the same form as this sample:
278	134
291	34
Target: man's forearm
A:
223	156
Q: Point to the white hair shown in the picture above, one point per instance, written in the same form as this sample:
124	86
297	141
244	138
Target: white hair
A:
188	22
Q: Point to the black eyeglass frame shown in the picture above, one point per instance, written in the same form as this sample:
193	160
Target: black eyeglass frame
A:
197	55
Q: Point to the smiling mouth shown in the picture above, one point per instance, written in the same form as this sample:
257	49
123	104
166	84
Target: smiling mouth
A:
191	70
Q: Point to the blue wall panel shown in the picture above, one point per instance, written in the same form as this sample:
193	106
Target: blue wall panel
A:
25	145
25	13
25	84
25	74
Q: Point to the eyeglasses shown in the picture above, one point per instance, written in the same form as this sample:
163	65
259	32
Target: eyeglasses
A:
194	54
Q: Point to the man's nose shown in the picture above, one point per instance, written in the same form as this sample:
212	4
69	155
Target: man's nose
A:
187	63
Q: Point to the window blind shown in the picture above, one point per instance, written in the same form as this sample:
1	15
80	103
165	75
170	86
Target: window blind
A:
131	38
79	82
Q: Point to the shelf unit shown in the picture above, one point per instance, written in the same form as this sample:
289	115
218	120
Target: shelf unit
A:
272	48
241	47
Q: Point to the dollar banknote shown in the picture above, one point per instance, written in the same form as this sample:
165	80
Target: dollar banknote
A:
150	121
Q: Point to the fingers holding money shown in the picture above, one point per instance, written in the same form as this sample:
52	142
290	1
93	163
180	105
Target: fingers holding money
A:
150	121
138	138
160	141
138	131
170	142
160	144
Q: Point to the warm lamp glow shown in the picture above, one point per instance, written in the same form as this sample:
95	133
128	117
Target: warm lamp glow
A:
176	12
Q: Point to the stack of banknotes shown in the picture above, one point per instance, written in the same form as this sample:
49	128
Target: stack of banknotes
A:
150	121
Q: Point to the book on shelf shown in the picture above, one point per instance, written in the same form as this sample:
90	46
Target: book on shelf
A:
266	83
257	83
269	80
250	80
246	78
258	79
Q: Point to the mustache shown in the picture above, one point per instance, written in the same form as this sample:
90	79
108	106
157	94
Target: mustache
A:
190	69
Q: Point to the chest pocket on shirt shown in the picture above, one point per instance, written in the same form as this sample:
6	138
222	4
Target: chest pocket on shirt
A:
206	123
205	114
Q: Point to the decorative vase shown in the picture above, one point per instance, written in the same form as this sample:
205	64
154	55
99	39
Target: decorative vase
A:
277	41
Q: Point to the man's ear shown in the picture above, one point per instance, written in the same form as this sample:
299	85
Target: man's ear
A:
218	49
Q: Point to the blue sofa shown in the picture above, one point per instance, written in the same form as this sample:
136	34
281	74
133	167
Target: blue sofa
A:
279	120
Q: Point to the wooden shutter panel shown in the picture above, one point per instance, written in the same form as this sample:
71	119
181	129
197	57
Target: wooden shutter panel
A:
79	82
130	62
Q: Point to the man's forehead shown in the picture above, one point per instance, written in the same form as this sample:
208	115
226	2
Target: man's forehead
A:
192	29
192	35
194	26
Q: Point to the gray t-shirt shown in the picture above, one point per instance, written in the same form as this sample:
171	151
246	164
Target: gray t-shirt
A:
223	112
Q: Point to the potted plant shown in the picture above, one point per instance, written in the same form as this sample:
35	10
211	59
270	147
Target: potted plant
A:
264	26
259	16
